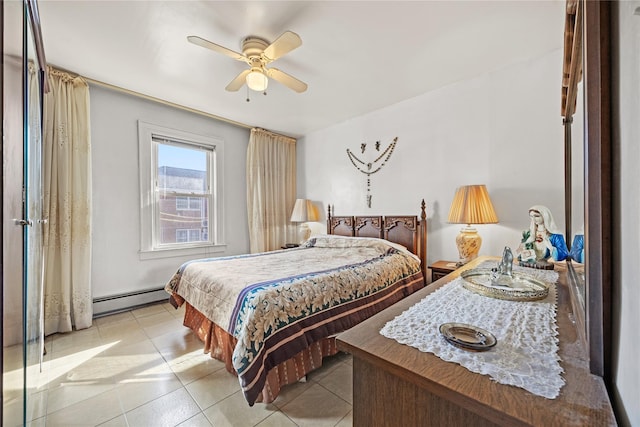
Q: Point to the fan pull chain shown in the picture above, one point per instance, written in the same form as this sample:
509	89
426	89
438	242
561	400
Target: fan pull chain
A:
248	92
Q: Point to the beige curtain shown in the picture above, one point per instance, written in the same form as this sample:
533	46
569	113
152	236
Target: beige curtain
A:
271	190
67	204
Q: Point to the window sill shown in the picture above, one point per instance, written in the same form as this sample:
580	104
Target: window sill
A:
182	252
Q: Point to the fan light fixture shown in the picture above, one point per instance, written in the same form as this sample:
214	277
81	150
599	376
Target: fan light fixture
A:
256	80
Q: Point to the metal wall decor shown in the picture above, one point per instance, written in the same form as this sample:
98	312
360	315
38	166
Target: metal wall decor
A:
369	168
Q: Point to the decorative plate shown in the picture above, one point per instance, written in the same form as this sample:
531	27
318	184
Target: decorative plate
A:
467	337
521	287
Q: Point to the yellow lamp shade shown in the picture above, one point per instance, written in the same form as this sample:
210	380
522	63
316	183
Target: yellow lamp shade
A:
471	205
304	211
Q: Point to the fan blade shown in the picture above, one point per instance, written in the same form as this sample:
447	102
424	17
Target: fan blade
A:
282	45
217	48
238	81
287	80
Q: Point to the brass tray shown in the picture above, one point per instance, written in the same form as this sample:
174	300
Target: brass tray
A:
520	287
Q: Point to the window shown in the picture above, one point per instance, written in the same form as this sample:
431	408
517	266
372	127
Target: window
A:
181	192
188	203
189	235
182	235
182	203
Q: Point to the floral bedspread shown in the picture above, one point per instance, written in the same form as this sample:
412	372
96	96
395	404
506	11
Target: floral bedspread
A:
277	303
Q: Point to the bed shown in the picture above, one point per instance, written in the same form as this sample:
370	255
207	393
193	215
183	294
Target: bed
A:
272	317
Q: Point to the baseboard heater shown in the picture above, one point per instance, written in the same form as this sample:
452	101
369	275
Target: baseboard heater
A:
104	306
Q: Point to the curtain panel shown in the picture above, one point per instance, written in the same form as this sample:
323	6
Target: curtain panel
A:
271	190
67	204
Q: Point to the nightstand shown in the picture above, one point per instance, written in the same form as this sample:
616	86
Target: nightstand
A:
290	245
439	269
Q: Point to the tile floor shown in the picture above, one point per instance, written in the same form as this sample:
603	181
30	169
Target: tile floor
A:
143	368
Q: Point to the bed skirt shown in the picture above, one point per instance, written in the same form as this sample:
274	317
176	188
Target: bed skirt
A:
220	344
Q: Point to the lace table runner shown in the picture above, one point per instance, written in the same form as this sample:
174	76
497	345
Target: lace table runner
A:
526	353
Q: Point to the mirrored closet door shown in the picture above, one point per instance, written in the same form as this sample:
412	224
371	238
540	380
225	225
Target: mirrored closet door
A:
22	315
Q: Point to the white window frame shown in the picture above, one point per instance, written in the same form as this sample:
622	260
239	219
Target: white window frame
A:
150	248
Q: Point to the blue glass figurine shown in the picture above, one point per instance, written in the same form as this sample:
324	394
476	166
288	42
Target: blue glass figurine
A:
577	248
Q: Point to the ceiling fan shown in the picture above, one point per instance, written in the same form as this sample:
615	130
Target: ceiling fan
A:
258	53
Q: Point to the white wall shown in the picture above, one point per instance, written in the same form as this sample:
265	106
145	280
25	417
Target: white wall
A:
502	129
116	265
625	313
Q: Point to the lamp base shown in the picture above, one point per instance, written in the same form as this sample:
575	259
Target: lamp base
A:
468	243
304	232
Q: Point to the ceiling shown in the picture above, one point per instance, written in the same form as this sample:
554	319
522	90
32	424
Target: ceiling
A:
356	56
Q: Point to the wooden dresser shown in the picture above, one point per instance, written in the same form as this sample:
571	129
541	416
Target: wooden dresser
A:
397	385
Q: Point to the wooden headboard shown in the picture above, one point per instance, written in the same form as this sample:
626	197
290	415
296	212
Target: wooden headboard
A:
406	230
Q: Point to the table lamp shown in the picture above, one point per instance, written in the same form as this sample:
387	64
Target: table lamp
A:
303	212
471	205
